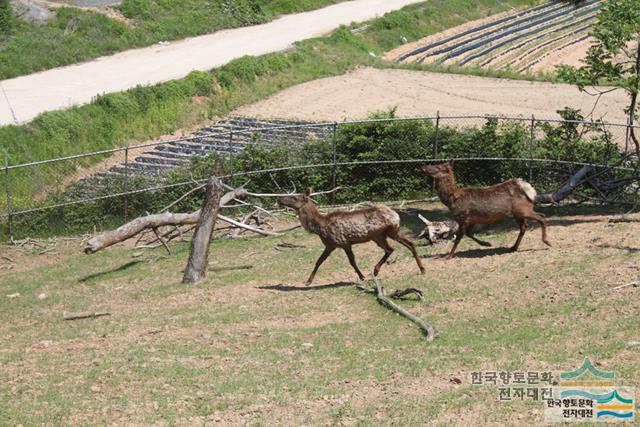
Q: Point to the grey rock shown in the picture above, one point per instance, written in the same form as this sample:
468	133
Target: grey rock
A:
31	12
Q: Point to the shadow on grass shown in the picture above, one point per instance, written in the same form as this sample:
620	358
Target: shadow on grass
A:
480	253
629	249
104	273
289	288
556	214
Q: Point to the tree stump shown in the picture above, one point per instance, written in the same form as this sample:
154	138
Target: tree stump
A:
199	255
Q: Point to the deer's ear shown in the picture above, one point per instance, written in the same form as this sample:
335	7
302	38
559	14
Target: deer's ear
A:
308	191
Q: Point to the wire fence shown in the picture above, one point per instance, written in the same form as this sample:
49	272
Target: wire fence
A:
131	170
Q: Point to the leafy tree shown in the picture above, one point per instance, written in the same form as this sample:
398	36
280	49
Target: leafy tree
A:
614	57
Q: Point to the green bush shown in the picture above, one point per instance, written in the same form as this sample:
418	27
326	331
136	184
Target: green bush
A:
366	144
6	19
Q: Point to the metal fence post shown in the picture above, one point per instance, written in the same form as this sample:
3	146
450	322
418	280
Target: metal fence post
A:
334	160
531	142
627	136
8	190
436	144
126	180
231	151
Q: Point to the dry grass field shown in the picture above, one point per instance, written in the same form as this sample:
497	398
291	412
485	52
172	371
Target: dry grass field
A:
256	347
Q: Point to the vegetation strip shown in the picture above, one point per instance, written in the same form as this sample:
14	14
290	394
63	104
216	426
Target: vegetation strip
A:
147	112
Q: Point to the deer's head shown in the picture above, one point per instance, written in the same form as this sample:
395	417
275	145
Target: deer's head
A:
296	202
439	170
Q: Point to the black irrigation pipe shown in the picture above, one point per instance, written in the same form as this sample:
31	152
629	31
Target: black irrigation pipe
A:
516	37
540	36
483	39
572	42
479	28
302	167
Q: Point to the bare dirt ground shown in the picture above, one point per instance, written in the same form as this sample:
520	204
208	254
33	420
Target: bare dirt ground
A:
417	93
256	346
571	55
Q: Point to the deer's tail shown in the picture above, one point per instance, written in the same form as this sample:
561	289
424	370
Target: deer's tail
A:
527	189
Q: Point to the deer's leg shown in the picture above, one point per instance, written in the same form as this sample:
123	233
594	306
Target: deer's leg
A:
352	261
388	250
321	259
409	245
461	232
543	224
469	234
522	222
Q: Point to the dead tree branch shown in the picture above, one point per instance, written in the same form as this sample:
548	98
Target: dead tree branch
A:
387	302
577	179
84	315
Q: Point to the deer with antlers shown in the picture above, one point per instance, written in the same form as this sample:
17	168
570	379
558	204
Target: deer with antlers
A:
342	229
485	205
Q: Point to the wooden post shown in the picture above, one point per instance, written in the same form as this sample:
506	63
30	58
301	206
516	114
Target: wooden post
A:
199	255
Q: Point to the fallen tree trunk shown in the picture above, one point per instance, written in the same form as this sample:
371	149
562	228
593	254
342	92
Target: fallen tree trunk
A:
577	179
130	229
199	254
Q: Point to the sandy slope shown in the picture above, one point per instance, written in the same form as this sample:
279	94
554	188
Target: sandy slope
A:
23	98
416	93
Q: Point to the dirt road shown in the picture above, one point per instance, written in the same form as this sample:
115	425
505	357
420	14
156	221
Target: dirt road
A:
23	98
415	93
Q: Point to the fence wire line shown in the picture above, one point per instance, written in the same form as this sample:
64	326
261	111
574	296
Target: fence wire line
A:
300	167
312	125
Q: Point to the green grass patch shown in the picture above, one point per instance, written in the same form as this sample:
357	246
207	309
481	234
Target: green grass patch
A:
236	347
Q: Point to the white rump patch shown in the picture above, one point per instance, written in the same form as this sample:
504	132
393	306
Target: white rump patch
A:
528	189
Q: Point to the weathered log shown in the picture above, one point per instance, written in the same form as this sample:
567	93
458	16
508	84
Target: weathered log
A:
199	253
130	229
577	179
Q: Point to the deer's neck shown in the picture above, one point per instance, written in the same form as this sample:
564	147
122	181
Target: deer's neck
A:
446	189
311	219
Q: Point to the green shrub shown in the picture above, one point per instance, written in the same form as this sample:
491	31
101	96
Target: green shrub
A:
6	19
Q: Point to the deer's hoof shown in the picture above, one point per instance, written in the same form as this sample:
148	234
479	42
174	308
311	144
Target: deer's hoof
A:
513	249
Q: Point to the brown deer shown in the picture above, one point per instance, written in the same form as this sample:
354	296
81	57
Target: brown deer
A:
485	205
342	229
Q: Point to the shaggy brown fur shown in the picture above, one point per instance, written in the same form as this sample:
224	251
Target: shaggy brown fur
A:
485	205
343	229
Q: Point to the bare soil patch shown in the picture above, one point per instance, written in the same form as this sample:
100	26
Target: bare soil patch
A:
416	93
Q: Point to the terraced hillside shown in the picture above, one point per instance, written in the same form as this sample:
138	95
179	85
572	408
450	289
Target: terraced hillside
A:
226	137
516	41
